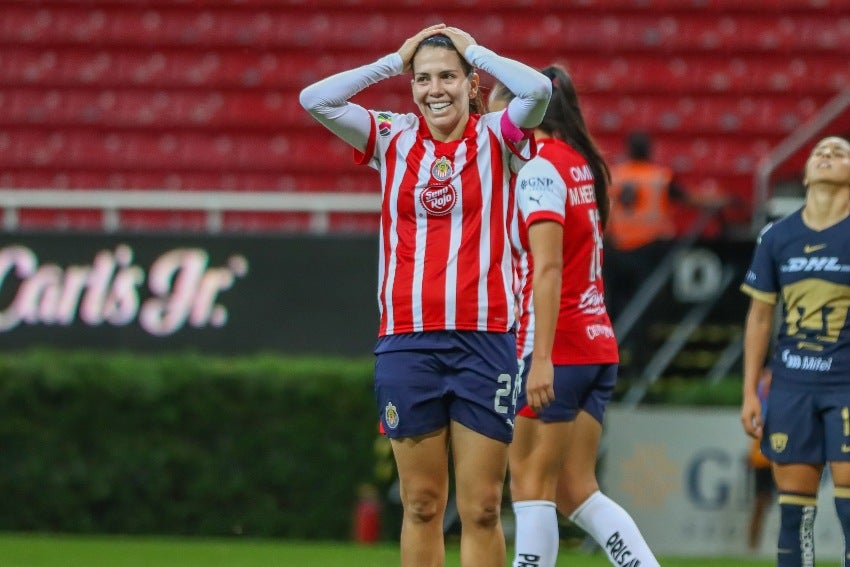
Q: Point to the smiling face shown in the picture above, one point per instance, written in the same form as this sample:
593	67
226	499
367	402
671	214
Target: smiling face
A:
442	91
829	163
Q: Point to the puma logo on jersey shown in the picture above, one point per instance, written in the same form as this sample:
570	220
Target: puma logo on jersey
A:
809	248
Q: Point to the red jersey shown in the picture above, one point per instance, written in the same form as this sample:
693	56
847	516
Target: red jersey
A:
558	186
445	256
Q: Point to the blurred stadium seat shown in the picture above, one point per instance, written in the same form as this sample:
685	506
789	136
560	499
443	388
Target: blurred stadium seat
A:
166	94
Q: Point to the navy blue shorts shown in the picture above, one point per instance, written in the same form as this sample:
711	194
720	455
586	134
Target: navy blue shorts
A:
587	387
804	426
463	376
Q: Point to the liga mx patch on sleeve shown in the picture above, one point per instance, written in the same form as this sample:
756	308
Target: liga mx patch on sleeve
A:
385	124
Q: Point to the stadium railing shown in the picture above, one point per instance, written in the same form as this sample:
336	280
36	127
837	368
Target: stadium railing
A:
214	203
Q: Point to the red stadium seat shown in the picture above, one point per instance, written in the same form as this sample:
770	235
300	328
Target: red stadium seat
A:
59	219
236	221
355	222
164	94
145	220
704	113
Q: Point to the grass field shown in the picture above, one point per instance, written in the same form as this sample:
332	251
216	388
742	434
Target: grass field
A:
67	551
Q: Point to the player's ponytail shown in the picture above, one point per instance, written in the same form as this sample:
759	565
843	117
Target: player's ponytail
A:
564	120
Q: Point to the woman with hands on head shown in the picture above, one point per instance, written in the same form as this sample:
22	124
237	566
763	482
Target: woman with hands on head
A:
445	363
803	261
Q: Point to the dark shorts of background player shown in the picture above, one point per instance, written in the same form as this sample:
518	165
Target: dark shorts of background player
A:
804	425
423	381
587	387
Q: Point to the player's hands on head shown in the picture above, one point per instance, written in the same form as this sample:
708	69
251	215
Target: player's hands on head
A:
408	48
460	39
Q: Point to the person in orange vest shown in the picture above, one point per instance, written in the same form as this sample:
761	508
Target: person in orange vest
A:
644	197
640	232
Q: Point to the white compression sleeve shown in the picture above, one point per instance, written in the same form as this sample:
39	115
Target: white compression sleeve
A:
532	89
327	100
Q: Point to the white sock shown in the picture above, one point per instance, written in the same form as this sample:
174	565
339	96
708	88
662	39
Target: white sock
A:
536	540
614	530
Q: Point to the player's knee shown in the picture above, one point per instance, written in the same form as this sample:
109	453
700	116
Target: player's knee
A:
423	506
484	513
484	517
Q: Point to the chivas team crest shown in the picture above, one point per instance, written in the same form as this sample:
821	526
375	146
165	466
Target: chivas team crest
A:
391	415
442	169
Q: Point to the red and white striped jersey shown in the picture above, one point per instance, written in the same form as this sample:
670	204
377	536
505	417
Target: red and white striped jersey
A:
445	256
558	186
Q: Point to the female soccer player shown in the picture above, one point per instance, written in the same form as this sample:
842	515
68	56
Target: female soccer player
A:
566	344
804	261
446	363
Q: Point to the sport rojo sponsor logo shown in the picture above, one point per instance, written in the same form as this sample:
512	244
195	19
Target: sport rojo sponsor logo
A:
438	199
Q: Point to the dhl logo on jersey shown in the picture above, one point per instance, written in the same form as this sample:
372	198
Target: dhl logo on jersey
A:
814	264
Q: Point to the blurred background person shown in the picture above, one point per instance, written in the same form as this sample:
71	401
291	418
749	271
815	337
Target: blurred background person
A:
642	226
566	345
644	199
803	260
643	194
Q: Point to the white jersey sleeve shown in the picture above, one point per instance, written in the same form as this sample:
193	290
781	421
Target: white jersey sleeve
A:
327	100
531	88
540	191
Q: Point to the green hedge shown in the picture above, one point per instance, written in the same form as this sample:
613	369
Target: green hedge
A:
672	391
183	444
188	444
